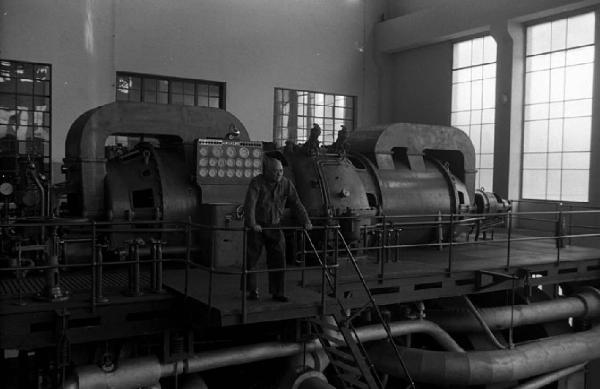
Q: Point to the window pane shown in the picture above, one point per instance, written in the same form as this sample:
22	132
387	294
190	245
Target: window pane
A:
578	81
553	188
580	55
580	30
536	111
534	184
462	54
489	50
535	136
537	86
555	131
557	84
559	34
577	133
576	161
538	39
575	108
575	185
554	160
477	51
535	161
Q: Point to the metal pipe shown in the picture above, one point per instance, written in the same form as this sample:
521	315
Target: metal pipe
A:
549	378
311	379
586	303
131	373
92	376
489	367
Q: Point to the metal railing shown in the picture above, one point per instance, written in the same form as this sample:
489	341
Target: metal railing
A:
176	244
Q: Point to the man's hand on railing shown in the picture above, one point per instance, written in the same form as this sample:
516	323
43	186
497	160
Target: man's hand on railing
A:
257	228
308	226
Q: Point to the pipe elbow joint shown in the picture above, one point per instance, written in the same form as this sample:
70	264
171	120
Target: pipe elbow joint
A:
590	297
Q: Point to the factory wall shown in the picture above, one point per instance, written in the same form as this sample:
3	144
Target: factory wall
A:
415	42
252	46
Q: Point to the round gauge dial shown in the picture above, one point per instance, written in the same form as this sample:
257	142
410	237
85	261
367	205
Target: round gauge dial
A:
217	151
212	162
203	172
247	173
256	153
230	173
212	172
221	162
239	173
257	163
203	162
6	188
248	163
230	151
244	152
230	162
239	162
203	151
256	172
221	173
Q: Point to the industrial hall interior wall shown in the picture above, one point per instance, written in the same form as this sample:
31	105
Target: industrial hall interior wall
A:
394	56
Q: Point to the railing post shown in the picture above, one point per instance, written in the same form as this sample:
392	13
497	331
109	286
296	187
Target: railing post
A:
134	267
440	231
324	269
450	243
188	254
211	268
100	274
560	229
94	269
156	275
383	255
303	259
20	275
508	241
337	233
244	275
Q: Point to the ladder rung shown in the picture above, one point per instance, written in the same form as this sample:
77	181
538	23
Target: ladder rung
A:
340	353
346	367
331	339
353	381
327	325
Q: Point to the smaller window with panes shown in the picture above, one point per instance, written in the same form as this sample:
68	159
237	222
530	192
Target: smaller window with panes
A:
169	90
297	110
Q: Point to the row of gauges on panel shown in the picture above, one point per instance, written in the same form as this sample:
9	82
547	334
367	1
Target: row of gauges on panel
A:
231	160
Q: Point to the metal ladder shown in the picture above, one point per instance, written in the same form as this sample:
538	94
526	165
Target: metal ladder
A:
347	354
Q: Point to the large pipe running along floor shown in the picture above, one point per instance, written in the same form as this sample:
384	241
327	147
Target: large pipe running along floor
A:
483	367
584	304
148	370
489	367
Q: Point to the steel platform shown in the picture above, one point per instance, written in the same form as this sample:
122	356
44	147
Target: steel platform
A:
406	275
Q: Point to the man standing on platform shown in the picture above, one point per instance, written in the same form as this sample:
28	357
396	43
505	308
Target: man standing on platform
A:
267	196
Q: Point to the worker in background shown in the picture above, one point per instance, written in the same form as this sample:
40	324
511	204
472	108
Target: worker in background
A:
311	146
265	202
